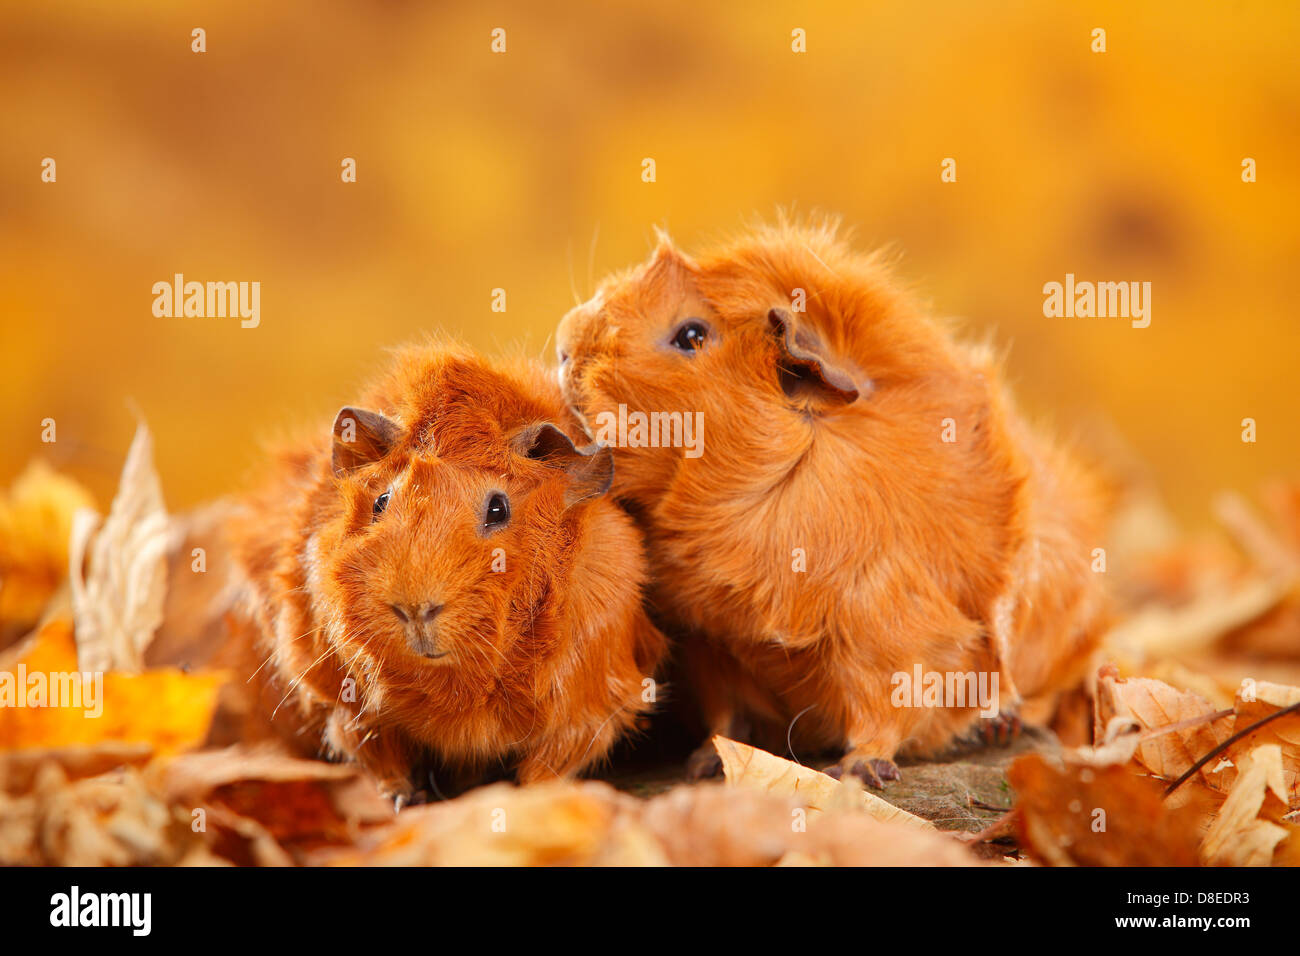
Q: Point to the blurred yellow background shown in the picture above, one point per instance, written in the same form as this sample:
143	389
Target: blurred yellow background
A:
523	171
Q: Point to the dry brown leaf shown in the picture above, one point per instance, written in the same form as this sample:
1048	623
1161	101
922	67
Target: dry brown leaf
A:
249	807
109	820
558	823
1255	701
195	775
720	825
1246	832
1217	689
1116	745
1160	631
194	630
797	858
1266	549
747	766
726	825
19	768
1098	816
589	823
291	799
1153	705
118	570
1274	635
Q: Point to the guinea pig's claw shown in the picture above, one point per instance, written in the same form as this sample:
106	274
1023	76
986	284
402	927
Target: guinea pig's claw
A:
872	771
1001	731
409	799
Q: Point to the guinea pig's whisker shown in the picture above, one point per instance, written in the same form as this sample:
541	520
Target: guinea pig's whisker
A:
591	261
298	680
596	735
531	728
486	641
285	593
813	252
273	653
573	282
478	648
789	734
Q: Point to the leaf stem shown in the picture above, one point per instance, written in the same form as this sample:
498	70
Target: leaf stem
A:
1290	709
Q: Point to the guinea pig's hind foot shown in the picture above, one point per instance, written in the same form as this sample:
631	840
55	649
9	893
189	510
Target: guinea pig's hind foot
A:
872	771
1000	731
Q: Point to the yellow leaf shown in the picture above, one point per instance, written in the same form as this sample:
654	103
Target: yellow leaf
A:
747	766
35	524
167	709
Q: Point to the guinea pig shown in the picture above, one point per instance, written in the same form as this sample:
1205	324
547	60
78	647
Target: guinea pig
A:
871	536
442	577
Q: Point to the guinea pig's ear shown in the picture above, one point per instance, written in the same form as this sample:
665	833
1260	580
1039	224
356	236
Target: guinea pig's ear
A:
361	437
805	367
590	468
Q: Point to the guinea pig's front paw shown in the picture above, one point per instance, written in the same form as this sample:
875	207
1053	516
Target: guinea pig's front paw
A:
402	792
408	798
873	771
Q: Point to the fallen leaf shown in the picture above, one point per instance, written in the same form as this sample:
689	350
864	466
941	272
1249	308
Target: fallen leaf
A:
1154	705
292	799
118	570
1255	701
166	709
1074	815
556	823
726	825
107	820
1178	674
1157	631
35	524
19	768
1116	746
201	590
588	823
747	766
1246	832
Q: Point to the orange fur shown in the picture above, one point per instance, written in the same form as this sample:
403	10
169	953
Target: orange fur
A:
544	661
965	556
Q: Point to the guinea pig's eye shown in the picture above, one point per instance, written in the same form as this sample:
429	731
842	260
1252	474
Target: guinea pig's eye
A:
497	512
690	335
381	503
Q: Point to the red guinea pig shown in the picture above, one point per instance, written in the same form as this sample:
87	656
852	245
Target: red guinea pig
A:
442	575
866	547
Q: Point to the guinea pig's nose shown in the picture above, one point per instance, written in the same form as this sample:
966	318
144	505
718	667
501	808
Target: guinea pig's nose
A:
564	356
422	613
